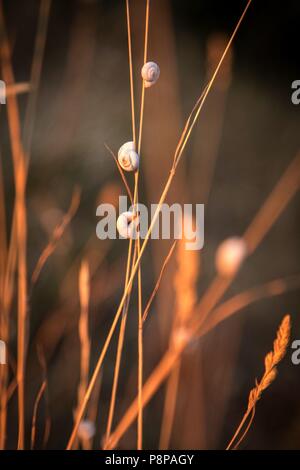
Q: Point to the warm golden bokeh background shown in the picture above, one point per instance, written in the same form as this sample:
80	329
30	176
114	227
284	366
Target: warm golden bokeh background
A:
247	135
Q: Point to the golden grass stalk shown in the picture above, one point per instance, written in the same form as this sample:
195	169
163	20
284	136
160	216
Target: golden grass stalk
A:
178	155
121	335
120	345
18	231
272	359
83	326
93	409
214	119
138	242
4	319
269	212
129	256
183	141
35	75
130	71
169	406
242	300
56	235
156	287
17	89
136	199
121	173
143	84
42	361
21	222
35	410
83	329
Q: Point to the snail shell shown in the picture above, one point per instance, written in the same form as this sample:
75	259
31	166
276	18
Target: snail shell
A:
150	74
128	158
127	224
230	255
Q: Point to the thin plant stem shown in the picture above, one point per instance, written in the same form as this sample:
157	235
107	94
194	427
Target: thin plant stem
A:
140	357
240	301
121	173
36	70
240	427
120	346
169	407
208	87
83	328
56	235
156	287
35	410
130	72
140	329
140	300
143	84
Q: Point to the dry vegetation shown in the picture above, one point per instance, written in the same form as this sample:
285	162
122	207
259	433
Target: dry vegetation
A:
192	318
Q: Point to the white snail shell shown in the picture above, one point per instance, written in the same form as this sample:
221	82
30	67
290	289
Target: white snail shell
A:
128	158
150	73
230	255
127	224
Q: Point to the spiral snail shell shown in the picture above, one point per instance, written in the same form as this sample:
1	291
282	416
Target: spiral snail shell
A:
127	224
128	158
150	74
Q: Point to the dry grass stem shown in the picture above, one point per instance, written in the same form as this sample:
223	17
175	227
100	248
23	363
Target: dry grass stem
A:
56	236
169	406
121	173
21	220
130	260
156	287
130	72
83	329
35	410
143	247
35	76
185	299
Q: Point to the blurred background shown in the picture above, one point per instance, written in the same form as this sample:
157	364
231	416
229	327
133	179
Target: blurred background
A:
247	134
